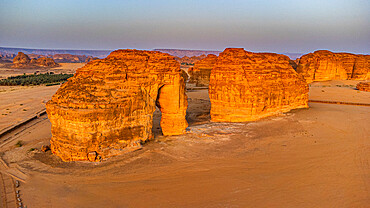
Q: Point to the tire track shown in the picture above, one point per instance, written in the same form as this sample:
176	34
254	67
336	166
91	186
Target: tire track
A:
338	102
8	193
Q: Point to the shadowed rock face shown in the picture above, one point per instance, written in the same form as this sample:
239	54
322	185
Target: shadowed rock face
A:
247	86
363	86
326	65
201	71
107	107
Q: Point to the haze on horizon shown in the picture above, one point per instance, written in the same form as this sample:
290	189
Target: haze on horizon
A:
256	25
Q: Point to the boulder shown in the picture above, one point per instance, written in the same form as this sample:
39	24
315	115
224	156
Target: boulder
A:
246	86
107	106
363	86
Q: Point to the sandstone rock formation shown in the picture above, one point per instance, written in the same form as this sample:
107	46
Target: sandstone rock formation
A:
325	65
201	71
43	61
246	86
107	107
23	61
363	86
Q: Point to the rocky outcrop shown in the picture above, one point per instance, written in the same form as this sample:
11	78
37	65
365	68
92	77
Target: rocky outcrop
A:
325	65
363	86
247	86
107	107
23	61
45	62
201	71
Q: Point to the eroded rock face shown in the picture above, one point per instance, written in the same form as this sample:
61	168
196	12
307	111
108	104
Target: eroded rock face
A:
106	108
201	71
363	86
325	65
247	86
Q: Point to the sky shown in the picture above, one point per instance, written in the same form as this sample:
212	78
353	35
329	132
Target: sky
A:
257	25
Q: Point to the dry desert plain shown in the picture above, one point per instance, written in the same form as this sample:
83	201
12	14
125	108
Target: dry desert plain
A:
315	157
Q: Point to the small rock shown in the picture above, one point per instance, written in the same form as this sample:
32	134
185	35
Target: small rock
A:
92	156
45	148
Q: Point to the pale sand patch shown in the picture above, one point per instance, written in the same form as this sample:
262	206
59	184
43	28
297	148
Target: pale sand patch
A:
344	90
21	102
316	157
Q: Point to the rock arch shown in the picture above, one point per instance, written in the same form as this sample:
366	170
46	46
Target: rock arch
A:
107	107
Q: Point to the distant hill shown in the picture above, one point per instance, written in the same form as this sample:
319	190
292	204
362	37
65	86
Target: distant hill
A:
94	53
189	53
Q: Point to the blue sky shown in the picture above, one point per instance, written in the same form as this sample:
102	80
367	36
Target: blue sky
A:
256	25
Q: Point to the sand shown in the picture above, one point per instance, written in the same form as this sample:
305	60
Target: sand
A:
66	68
316	157
18	103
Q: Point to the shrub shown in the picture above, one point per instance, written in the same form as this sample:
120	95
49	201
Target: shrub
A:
19	143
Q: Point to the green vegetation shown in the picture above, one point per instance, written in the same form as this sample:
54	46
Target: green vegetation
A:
32	149
19	143
35	79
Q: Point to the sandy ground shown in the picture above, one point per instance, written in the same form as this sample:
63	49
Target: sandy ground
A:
21	102
316	157
67	68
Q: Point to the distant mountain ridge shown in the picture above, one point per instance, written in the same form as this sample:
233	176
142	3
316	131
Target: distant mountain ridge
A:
189	53
94	53
104	53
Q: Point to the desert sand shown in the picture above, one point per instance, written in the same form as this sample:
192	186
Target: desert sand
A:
316	157
67	68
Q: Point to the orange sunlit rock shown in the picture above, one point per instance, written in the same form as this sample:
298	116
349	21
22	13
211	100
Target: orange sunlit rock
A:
246	86
325	65
363	86
201	71
107	107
